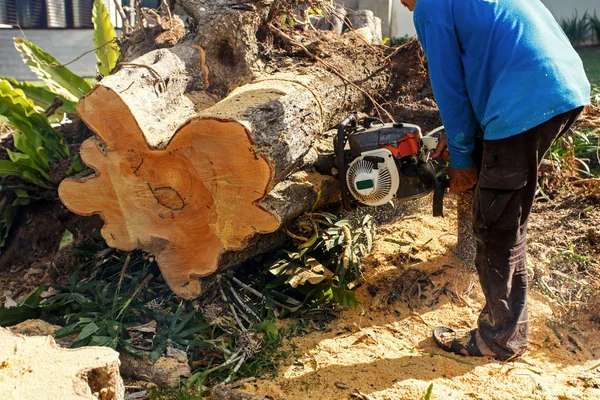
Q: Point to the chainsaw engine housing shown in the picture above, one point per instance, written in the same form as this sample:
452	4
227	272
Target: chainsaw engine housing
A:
382	162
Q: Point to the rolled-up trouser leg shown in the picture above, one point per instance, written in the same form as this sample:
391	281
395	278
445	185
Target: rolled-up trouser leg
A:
501	207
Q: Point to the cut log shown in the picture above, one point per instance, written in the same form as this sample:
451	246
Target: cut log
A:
195	179
33	368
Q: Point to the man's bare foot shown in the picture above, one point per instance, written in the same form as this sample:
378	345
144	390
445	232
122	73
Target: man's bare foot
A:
466	343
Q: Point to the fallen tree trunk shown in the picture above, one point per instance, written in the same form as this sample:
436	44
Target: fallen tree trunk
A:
194	177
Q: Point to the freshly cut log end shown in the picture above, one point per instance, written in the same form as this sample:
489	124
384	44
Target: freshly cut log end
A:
37	368
186	204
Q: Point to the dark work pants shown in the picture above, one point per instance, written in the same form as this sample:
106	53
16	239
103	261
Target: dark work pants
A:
503	199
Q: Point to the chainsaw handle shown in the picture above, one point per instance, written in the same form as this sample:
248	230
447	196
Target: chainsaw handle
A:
441	183
338	145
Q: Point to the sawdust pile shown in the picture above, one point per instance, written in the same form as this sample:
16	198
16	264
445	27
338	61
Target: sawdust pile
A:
412	283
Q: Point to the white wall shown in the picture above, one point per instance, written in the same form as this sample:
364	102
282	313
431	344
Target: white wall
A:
402	18
64	44
565	8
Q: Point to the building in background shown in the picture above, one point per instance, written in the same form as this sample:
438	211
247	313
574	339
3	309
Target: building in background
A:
62	28
397	20
47	14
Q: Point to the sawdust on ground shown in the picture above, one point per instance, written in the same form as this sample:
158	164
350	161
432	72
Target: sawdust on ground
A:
383	348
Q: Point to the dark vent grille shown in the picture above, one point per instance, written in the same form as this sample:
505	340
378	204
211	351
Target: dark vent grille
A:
57	15
82	13
8	12
31	13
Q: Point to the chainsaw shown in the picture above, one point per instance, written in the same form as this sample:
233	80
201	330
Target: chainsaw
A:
386	162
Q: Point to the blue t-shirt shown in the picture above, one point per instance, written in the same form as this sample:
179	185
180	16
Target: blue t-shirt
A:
497	67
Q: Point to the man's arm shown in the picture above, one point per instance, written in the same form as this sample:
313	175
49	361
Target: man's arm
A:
448	81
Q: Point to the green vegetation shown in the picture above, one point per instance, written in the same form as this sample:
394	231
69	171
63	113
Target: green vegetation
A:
27	110
582	30
591	62
396	41
119	300
39	145
576	28
594	27
105	39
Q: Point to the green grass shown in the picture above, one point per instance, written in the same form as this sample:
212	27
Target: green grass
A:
591	62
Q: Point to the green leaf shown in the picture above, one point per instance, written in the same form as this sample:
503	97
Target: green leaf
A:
429	392
58	78
14	315
68	330
343	296
33	300
8	168
38	144
22	199
75	167
104	341
67	239
269	327
42	96
6	222
105	39
27	308
26	160
158	351
87	331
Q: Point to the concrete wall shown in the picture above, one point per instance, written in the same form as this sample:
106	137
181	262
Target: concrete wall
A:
565	9
64	44
402	18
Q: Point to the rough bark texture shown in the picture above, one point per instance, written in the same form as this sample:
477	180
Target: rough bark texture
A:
37	368
166	371
465	243
196	179
227	32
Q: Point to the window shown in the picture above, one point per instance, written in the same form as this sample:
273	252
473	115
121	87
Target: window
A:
40	14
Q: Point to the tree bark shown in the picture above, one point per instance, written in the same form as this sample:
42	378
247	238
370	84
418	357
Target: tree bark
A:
196	178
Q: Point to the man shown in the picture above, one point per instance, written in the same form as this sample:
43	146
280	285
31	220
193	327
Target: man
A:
506	79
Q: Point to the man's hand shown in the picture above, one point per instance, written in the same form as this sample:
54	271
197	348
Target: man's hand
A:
462	179
441	150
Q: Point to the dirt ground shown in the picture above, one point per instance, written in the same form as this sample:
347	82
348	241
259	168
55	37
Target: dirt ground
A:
383	348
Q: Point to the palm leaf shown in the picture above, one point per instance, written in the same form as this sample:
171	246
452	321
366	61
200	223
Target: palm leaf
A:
42	96
58	78
105	39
